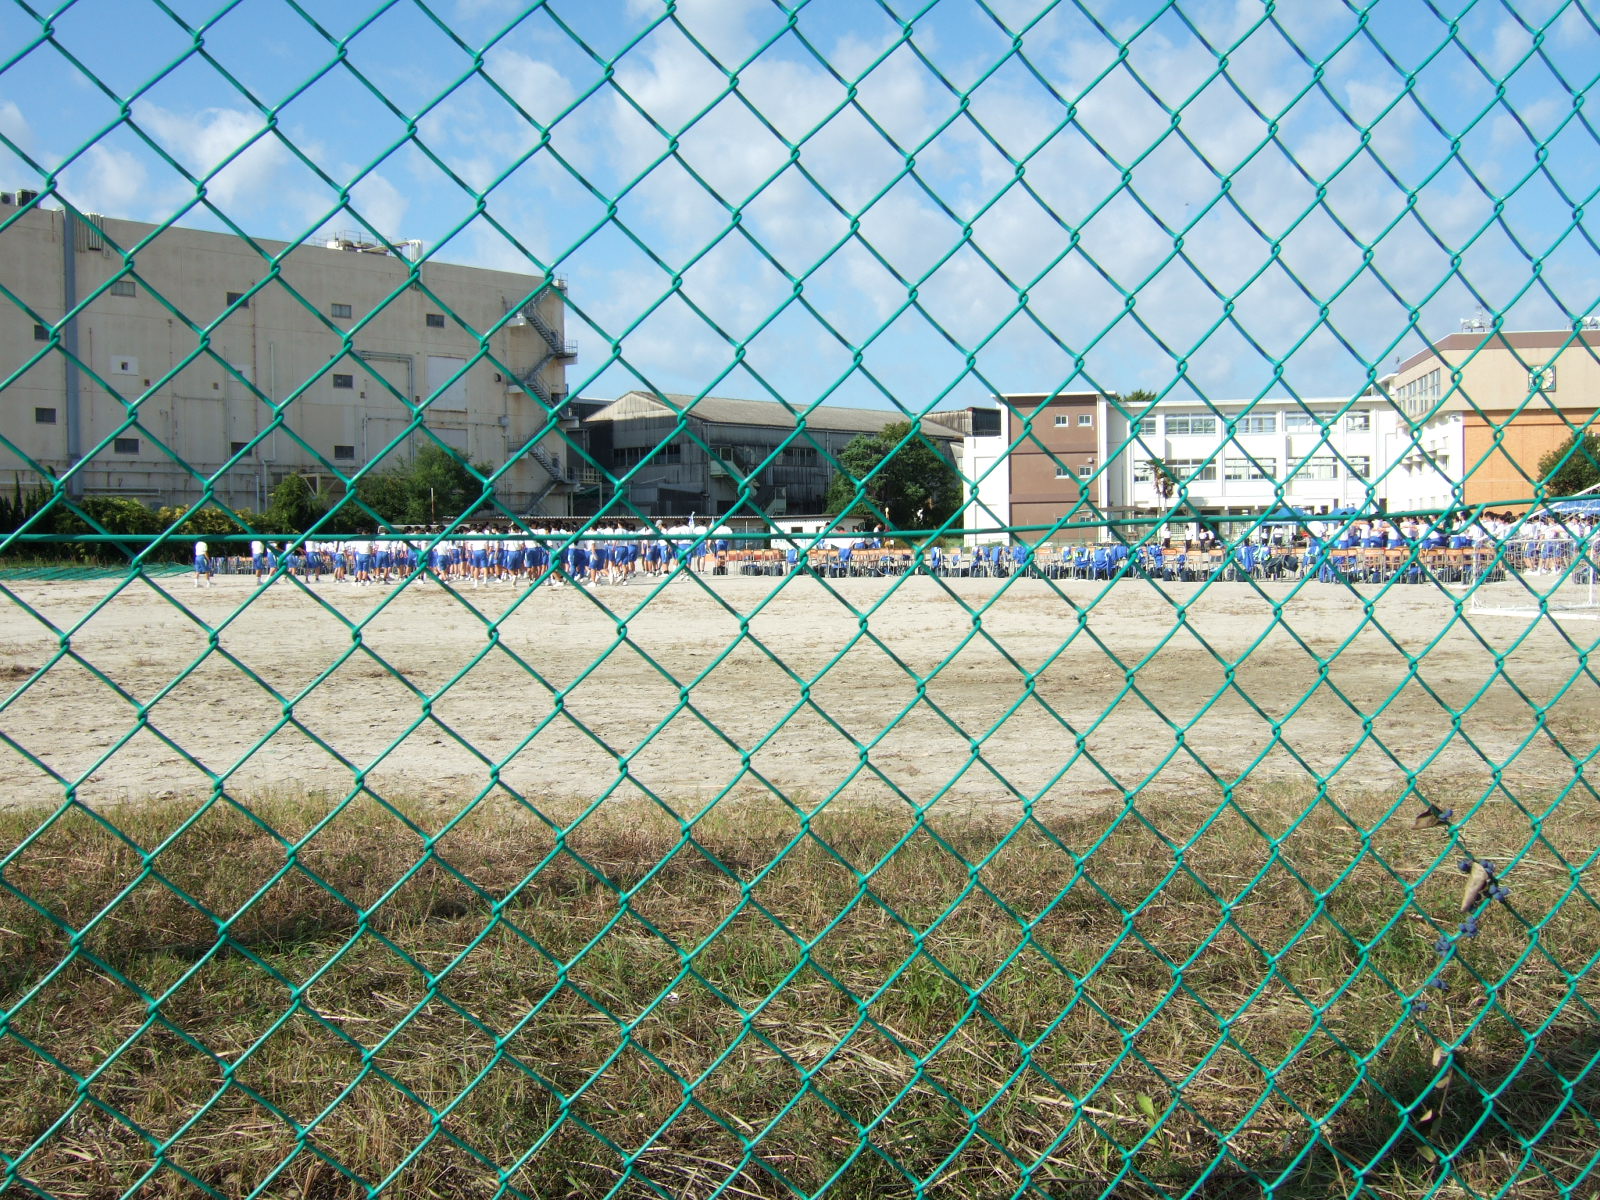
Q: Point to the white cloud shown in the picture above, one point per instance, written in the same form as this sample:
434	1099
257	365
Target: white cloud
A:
538	87
204	139
113	181
1511	44
723	27
382	205
14	126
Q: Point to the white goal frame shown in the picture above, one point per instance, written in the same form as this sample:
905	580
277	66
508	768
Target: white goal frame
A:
1522	582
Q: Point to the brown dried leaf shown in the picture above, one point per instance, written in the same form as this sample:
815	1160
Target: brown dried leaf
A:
1479	881
1441	1058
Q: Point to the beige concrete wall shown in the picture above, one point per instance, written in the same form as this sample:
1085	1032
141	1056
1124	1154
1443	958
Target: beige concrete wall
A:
1498	376
323	393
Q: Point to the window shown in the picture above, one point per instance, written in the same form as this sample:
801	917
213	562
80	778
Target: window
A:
1190	426
44	416
1085	470
1360	465
41	334
344	453
1141	471
125	445
806	454
340	310
1323	466
1063	419
1258	423
1242	470
1145	427
344	382
1191	470
123	287
238	298
1085	418
237	447
435	320
1357	421
1063	471
1414	397
1303	421
625	457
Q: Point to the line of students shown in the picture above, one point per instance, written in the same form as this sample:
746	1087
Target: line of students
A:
611	555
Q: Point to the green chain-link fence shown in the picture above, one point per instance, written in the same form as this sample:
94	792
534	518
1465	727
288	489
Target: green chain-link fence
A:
1184	793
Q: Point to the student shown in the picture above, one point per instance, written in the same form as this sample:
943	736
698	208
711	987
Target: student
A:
258	558
203	570
698	532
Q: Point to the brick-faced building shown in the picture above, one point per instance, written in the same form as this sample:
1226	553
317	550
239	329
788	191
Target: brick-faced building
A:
1059	448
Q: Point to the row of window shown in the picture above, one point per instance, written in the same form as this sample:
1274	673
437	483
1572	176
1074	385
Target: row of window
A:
339	312
1066	418
1419	393
1243	470
629	456
132	445
1207	424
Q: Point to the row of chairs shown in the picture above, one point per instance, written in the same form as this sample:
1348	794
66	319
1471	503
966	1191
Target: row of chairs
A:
1248	561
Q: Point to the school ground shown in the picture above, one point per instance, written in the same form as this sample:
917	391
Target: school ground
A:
1069	694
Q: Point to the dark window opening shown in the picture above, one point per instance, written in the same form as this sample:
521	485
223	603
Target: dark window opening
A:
125	445
435	320
44	416
346	453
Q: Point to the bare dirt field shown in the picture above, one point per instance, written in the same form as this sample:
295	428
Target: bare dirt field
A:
975	692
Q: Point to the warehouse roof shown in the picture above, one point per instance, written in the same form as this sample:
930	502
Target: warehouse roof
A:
720	410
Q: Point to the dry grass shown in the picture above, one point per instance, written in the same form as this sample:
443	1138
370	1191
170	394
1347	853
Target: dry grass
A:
1138	1005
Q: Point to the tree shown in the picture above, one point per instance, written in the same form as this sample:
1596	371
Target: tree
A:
436	487
1163	480
293	506
1580	470
915	486
440	487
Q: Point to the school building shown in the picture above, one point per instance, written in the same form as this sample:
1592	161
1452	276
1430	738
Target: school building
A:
673	455
1480	409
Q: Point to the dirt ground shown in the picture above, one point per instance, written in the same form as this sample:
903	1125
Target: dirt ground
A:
1069	695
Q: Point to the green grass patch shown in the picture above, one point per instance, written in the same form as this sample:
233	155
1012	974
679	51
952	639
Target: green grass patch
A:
272	1000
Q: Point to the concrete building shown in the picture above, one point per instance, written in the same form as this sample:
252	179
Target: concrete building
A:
1481	409
143	361
725	445
1246	457
1060	445
984	465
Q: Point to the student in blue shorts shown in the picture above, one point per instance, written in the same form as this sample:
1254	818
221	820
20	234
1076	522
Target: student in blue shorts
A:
204	572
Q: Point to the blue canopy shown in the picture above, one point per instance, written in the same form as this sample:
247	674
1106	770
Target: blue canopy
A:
1577	506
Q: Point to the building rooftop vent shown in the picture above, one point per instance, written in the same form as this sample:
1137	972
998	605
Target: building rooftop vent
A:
358	243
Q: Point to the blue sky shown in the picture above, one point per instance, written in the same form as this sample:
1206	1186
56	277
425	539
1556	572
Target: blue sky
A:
1076	216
